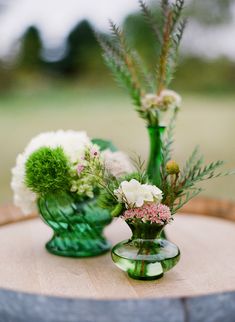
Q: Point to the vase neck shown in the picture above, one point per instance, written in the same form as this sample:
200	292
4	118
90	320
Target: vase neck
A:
145	230
155	155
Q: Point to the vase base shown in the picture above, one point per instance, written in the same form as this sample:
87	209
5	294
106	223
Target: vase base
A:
60	247
146	278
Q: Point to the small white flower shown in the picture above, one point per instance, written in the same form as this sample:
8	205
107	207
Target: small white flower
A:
135	194
167	99
171	98
149	101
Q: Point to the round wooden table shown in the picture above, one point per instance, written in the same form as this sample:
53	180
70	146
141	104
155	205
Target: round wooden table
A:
31	274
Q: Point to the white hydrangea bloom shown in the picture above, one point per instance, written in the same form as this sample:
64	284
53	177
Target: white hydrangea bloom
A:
24	198
117	163
135	194
73	143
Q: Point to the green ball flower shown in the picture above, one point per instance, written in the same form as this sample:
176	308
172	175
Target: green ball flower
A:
172	167
47	170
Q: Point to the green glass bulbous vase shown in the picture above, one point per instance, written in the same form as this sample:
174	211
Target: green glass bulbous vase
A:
145	256
77	227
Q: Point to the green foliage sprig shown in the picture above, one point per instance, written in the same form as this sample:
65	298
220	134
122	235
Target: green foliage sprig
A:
180	187
48	171
106	200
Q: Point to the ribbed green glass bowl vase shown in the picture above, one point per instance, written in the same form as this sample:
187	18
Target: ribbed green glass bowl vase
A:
78	227
145	256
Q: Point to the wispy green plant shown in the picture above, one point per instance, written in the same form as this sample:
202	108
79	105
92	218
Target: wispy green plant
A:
120	59
106	200
140	170
181	186
126	64
183	199
48	171
168	139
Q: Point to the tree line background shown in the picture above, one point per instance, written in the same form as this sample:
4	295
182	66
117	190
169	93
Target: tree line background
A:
82	58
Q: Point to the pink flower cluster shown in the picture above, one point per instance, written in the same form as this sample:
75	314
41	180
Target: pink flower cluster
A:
149	212
80	168
91	153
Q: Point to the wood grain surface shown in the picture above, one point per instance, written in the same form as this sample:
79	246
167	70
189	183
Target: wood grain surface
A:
206	266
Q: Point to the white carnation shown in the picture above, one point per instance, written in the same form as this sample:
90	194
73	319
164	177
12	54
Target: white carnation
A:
73	144
135	194
117	163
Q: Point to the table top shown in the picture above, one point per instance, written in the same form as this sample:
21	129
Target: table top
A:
206	265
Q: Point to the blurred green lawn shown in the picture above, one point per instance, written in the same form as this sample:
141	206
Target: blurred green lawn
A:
108	113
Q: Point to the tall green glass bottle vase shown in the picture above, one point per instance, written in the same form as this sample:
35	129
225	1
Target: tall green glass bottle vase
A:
155	155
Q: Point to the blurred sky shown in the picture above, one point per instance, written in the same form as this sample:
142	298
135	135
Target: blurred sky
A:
55	18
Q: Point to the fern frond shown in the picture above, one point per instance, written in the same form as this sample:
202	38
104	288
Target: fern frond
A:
115	30
138	163
199	174
145	76
123	77
178	35
185	198
109	48
177	9
170	71
151	21
169	136
174	51
120	41
165	8
192	162
114	57
127	54
164	56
